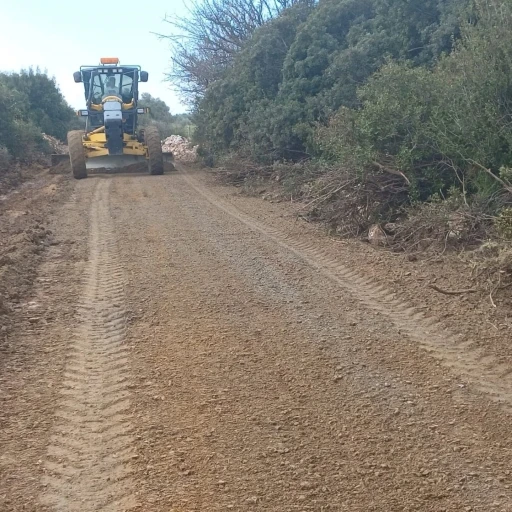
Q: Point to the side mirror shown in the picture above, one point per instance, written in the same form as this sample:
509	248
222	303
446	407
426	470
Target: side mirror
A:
144	76
77	77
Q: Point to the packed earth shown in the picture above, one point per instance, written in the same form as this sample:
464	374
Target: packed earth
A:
168	344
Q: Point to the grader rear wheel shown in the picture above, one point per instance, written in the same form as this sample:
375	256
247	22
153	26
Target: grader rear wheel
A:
77	154
156	160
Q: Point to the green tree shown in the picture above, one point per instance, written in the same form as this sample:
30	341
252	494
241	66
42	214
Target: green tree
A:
234	114
159	114
43	103
301	67
444	126
159	111
206	41
31	103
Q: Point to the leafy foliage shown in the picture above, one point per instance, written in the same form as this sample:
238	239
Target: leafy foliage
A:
160	116
240	111
31	103
299	68
409	99
441	127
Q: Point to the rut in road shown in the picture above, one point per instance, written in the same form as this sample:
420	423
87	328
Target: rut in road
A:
461	356
88	460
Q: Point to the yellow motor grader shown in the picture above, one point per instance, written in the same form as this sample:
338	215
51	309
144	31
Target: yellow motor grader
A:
111	138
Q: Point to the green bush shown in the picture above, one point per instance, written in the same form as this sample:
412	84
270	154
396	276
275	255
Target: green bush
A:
503	223
411	98
31	103
161	117
302	66
441	127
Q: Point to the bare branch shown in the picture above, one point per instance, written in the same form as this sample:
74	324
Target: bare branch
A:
503	183
204	43
392	171
452	292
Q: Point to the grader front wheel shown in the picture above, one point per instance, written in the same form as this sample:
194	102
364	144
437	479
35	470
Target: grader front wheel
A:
156	159
77	154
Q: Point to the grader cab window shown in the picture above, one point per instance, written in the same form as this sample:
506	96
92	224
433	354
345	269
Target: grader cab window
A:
126	87
112	84
110	87
96	89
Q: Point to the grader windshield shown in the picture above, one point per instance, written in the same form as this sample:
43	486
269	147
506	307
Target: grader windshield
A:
112	84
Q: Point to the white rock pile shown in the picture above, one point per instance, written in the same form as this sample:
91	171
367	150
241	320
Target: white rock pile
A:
180	148
57	146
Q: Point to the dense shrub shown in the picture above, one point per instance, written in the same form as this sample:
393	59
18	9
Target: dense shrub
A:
405	103
302	66
31	103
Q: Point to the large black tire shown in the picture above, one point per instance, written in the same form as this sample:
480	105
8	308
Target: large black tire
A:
77	154
156	159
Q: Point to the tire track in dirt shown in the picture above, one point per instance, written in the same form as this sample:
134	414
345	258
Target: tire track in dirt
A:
464	358
88	458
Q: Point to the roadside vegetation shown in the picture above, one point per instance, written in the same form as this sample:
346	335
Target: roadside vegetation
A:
30	104
160	116
393	115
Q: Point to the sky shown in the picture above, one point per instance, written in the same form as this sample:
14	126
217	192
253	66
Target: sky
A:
59	36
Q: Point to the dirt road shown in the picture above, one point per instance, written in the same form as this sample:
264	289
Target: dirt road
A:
183	349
